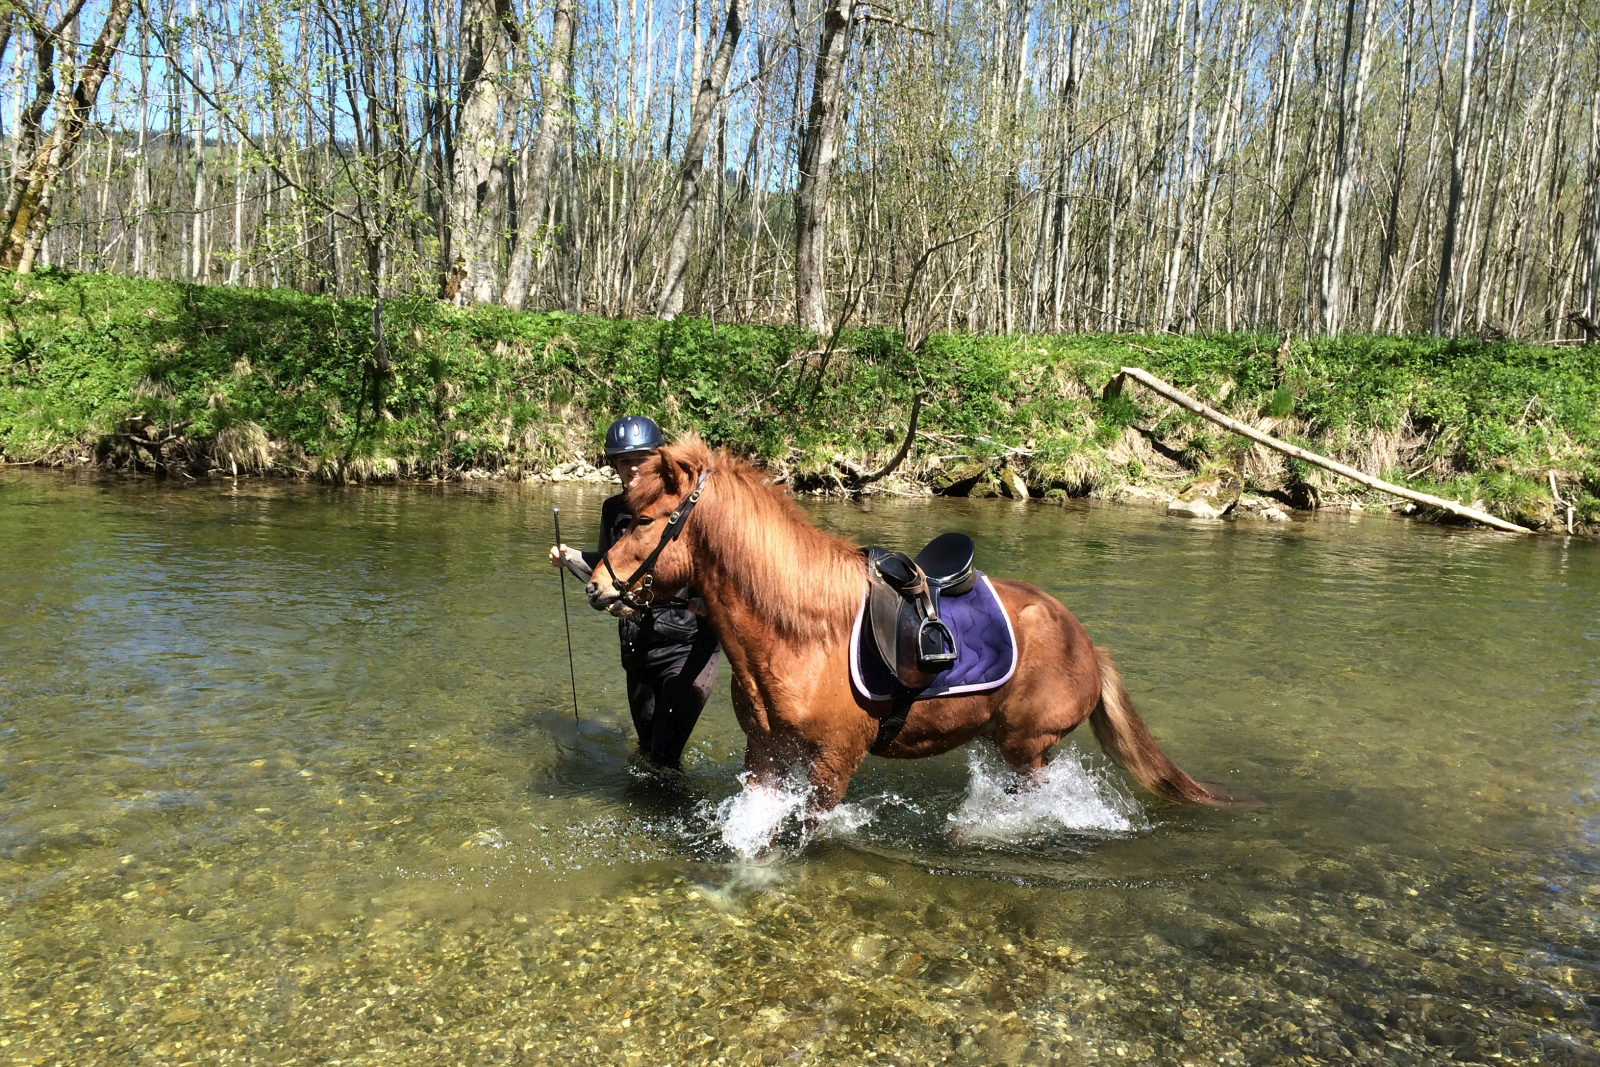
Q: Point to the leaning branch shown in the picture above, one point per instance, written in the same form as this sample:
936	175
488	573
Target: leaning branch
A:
858	478
905	444
1184	400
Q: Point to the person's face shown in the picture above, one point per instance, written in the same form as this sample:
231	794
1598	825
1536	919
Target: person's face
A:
627	465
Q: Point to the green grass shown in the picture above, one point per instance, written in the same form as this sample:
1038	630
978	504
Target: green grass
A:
492	389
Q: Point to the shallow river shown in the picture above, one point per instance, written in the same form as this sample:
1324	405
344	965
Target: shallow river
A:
290	775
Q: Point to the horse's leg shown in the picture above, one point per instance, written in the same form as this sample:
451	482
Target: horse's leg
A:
830	773
1027	751
1028	754
759	765
1056	686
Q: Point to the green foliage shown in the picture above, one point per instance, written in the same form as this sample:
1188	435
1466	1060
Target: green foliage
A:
1118	411
486	387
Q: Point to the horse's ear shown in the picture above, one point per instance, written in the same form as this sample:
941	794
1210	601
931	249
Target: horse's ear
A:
681	464
678	473
668	471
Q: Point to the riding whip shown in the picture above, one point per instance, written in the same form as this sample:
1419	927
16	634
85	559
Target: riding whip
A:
555	513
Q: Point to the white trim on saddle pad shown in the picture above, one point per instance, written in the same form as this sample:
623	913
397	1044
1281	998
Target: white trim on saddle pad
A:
979	687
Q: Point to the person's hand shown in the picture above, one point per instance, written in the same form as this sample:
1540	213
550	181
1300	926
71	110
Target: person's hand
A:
559	554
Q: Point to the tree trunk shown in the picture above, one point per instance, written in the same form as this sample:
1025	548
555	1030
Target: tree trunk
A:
1391	226
1458	165
1593	288
818	146
1184	400
1183	181
536	182
1347	146
705	102
478	176
141	169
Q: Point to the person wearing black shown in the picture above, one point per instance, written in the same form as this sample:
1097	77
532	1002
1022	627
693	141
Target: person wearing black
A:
670	653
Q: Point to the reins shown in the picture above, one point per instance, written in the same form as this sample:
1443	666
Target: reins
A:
644	574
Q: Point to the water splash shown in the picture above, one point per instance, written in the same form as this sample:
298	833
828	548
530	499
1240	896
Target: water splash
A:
846	819
751	820
1002	807
490	838
755	819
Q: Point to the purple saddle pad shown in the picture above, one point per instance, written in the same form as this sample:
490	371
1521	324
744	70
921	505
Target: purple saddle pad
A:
986	650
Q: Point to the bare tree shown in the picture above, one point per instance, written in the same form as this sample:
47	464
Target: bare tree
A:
553	92
705	101
38	167
818	147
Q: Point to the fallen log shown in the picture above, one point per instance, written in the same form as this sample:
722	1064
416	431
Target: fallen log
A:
1184	400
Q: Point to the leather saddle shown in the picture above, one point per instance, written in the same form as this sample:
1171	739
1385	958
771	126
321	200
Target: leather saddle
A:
903	605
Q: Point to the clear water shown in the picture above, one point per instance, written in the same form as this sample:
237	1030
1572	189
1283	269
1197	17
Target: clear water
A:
290	775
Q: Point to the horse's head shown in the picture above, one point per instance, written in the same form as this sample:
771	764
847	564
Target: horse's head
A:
652	555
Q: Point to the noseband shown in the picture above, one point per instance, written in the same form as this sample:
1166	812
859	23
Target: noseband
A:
644	574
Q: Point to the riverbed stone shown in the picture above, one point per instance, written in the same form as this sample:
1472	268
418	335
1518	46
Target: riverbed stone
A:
961	478
1536	512
1209	495
1012	484
1259	507
1199	508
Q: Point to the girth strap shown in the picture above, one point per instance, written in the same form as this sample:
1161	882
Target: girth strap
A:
891	724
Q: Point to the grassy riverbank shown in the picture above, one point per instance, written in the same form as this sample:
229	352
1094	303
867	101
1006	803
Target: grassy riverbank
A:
109	370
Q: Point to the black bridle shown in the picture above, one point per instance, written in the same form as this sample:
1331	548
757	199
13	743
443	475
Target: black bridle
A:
644	574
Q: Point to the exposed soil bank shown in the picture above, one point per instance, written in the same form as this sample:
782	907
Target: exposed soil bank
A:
183	380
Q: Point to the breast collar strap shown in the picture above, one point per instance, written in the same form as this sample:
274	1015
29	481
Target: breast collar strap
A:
644	573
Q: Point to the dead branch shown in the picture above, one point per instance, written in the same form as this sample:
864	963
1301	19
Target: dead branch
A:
1571	510
858	477
905	444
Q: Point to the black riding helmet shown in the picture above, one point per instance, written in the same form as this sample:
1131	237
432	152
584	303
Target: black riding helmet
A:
633	433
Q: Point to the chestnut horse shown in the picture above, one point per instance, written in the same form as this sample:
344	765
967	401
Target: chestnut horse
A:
782	596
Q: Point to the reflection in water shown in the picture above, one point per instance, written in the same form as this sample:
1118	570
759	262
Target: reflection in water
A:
291	775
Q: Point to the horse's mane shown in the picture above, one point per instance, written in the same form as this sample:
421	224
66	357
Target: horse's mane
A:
805	582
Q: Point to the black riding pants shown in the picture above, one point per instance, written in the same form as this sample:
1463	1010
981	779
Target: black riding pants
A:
667	693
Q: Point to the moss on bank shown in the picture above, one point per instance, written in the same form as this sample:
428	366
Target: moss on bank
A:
255	380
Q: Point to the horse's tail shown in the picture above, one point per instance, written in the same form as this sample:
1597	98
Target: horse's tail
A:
1127	741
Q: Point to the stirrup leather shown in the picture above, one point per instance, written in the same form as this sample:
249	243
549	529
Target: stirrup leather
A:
903	607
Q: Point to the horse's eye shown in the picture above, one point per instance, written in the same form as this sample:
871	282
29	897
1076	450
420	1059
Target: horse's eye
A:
645	520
